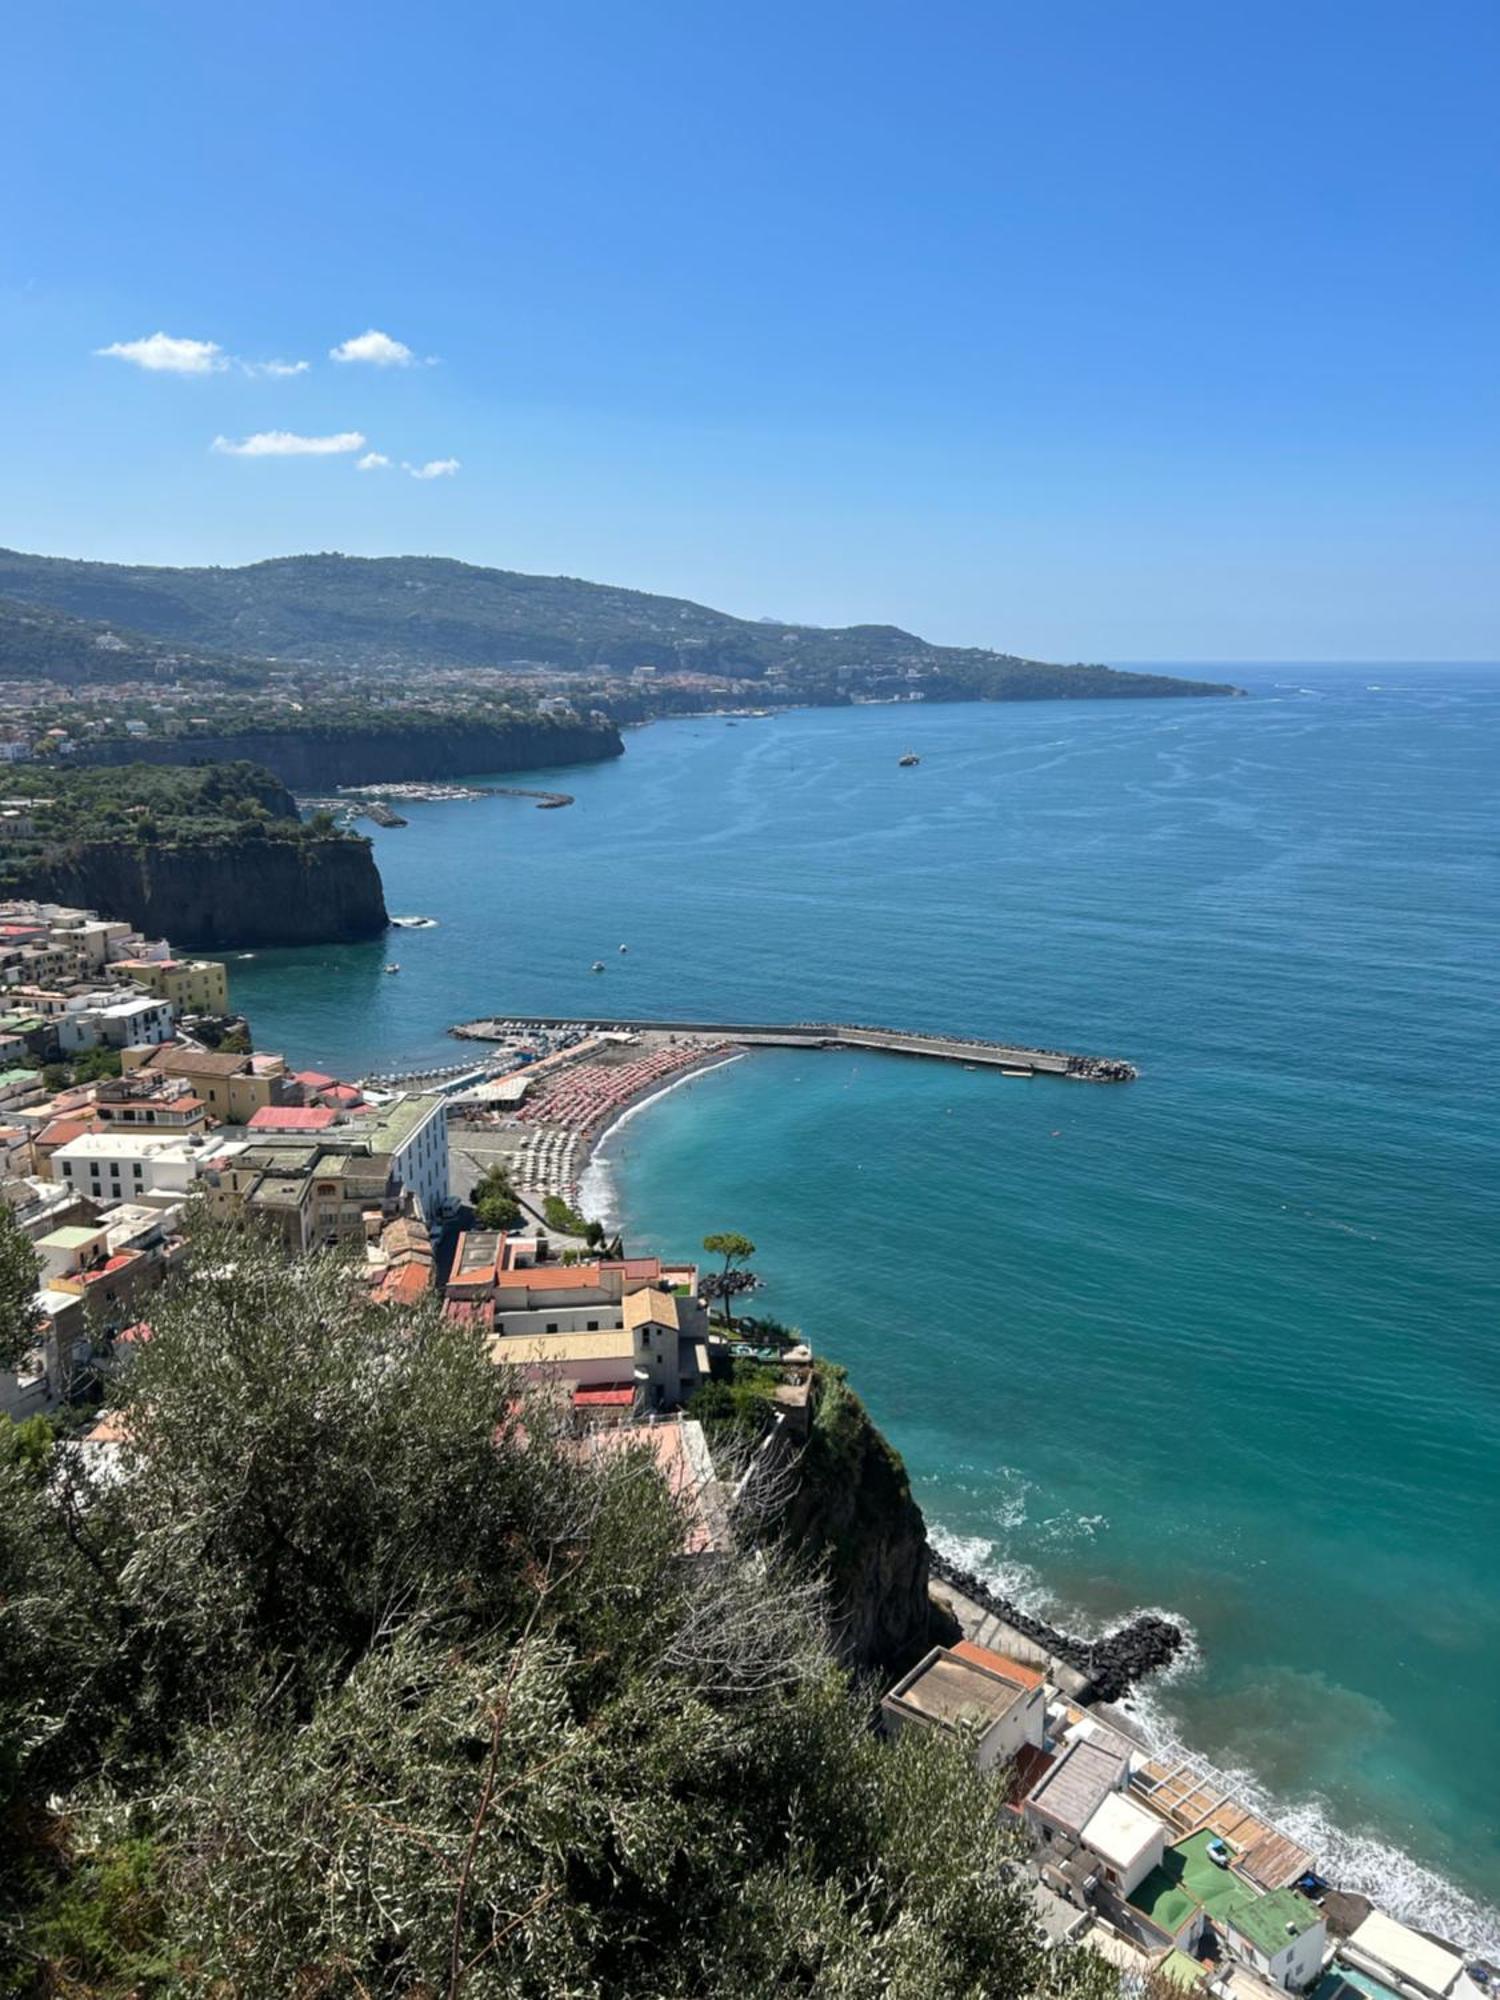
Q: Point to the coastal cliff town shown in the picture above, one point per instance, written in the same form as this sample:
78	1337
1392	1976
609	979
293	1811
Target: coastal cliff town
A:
134	1110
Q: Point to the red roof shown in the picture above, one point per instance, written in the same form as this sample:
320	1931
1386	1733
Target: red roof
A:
481	1312
604	1399
112	1265
314	1079
63	1131
292	1118
341	1093
411	1281
998	1663
551	1277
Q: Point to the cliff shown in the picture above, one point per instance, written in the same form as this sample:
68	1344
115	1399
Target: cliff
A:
315	759
853	1511
205	895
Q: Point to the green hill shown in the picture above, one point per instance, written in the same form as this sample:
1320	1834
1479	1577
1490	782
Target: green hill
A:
403	613
38	643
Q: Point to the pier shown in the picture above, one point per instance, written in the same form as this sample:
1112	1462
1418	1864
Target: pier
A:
973	1052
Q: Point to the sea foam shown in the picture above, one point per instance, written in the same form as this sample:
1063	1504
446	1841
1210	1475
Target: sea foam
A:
1402	1887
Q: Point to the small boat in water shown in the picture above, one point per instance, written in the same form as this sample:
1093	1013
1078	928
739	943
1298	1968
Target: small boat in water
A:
597	966
908	760
624	947
390	968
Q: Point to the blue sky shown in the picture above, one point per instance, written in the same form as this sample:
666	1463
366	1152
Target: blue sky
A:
1155	331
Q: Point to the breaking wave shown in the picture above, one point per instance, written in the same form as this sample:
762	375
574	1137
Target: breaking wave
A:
1361	1862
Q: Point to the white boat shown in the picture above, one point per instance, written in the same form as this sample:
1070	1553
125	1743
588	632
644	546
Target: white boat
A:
624	947
597	966
390	968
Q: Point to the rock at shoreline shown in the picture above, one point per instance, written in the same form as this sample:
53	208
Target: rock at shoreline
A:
1114	1664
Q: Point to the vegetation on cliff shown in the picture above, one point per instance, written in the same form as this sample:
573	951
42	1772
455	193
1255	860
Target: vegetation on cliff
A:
348	1685
145	802
409	612
354	742
209	855
853	1512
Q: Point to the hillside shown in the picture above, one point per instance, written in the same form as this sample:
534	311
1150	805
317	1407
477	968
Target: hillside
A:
38	643
407	612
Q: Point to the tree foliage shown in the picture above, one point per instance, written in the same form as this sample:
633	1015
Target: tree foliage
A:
494	1200
357	1680
18	1283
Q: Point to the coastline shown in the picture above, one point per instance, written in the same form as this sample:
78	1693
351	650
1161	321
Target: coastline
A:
597	1196
1162	1649
1368	1863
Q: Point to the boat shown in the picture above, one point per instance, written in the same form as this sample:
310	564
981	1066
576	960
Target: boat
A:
624	947
597	966
393	967
908	760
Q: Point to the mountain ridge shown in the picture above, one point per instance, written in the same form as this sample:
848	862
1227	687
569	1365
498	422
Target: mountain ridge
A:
399	613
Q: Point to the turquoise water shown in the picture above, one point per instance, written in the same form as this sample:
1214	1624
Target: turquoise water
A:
1223	1341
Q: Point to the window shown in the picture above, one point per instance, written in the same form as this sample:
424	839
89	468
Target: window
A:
552	1326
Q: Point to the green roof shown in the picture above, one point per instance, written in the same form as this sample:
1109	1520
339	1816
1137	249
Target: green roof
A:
1188	1880
1181	1970
10	1077
1207	1883
70	1237
1264	1920
1162	1898
397	1121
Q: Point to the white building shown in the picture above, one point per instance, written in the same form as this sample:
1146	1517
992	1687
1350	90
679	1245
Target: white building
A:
1281	1935
1066	1797
413	1131
946	1691
119	1165
1125	1841
1401	1957
134	1024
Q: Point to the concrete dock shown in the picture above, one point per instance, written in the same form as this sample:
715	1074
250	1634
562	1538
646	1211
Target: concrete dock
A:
974	1053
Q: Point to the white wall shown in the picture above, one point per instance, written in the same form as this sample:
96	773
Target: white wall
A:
422	1163
557	1319
1024	1723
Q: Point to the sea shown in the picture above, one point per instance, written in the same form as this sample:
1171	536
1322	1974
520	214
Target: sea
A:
1224	1341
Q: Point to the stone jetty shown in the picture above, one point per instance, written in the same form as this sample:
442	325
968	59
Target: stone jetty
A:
974	1052
1111	1665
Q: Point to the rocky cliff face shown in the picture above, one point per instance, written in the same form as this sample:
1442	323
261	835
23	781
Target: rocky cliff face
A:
854	1511
204	896
314	760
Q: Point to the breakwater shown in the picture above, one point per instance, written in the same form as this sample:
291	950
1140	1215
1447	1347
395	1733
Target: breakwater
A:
1112	1665
973	1051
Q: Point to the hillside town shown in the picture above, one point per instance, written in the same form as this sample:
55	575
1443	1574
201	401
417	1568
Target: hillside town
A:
132	1103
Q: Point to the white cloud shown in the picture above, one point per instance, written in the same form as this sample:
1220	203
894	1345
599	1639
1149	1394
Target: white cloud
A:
435	468
277	368
164	355
290	444
373	461
379	349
